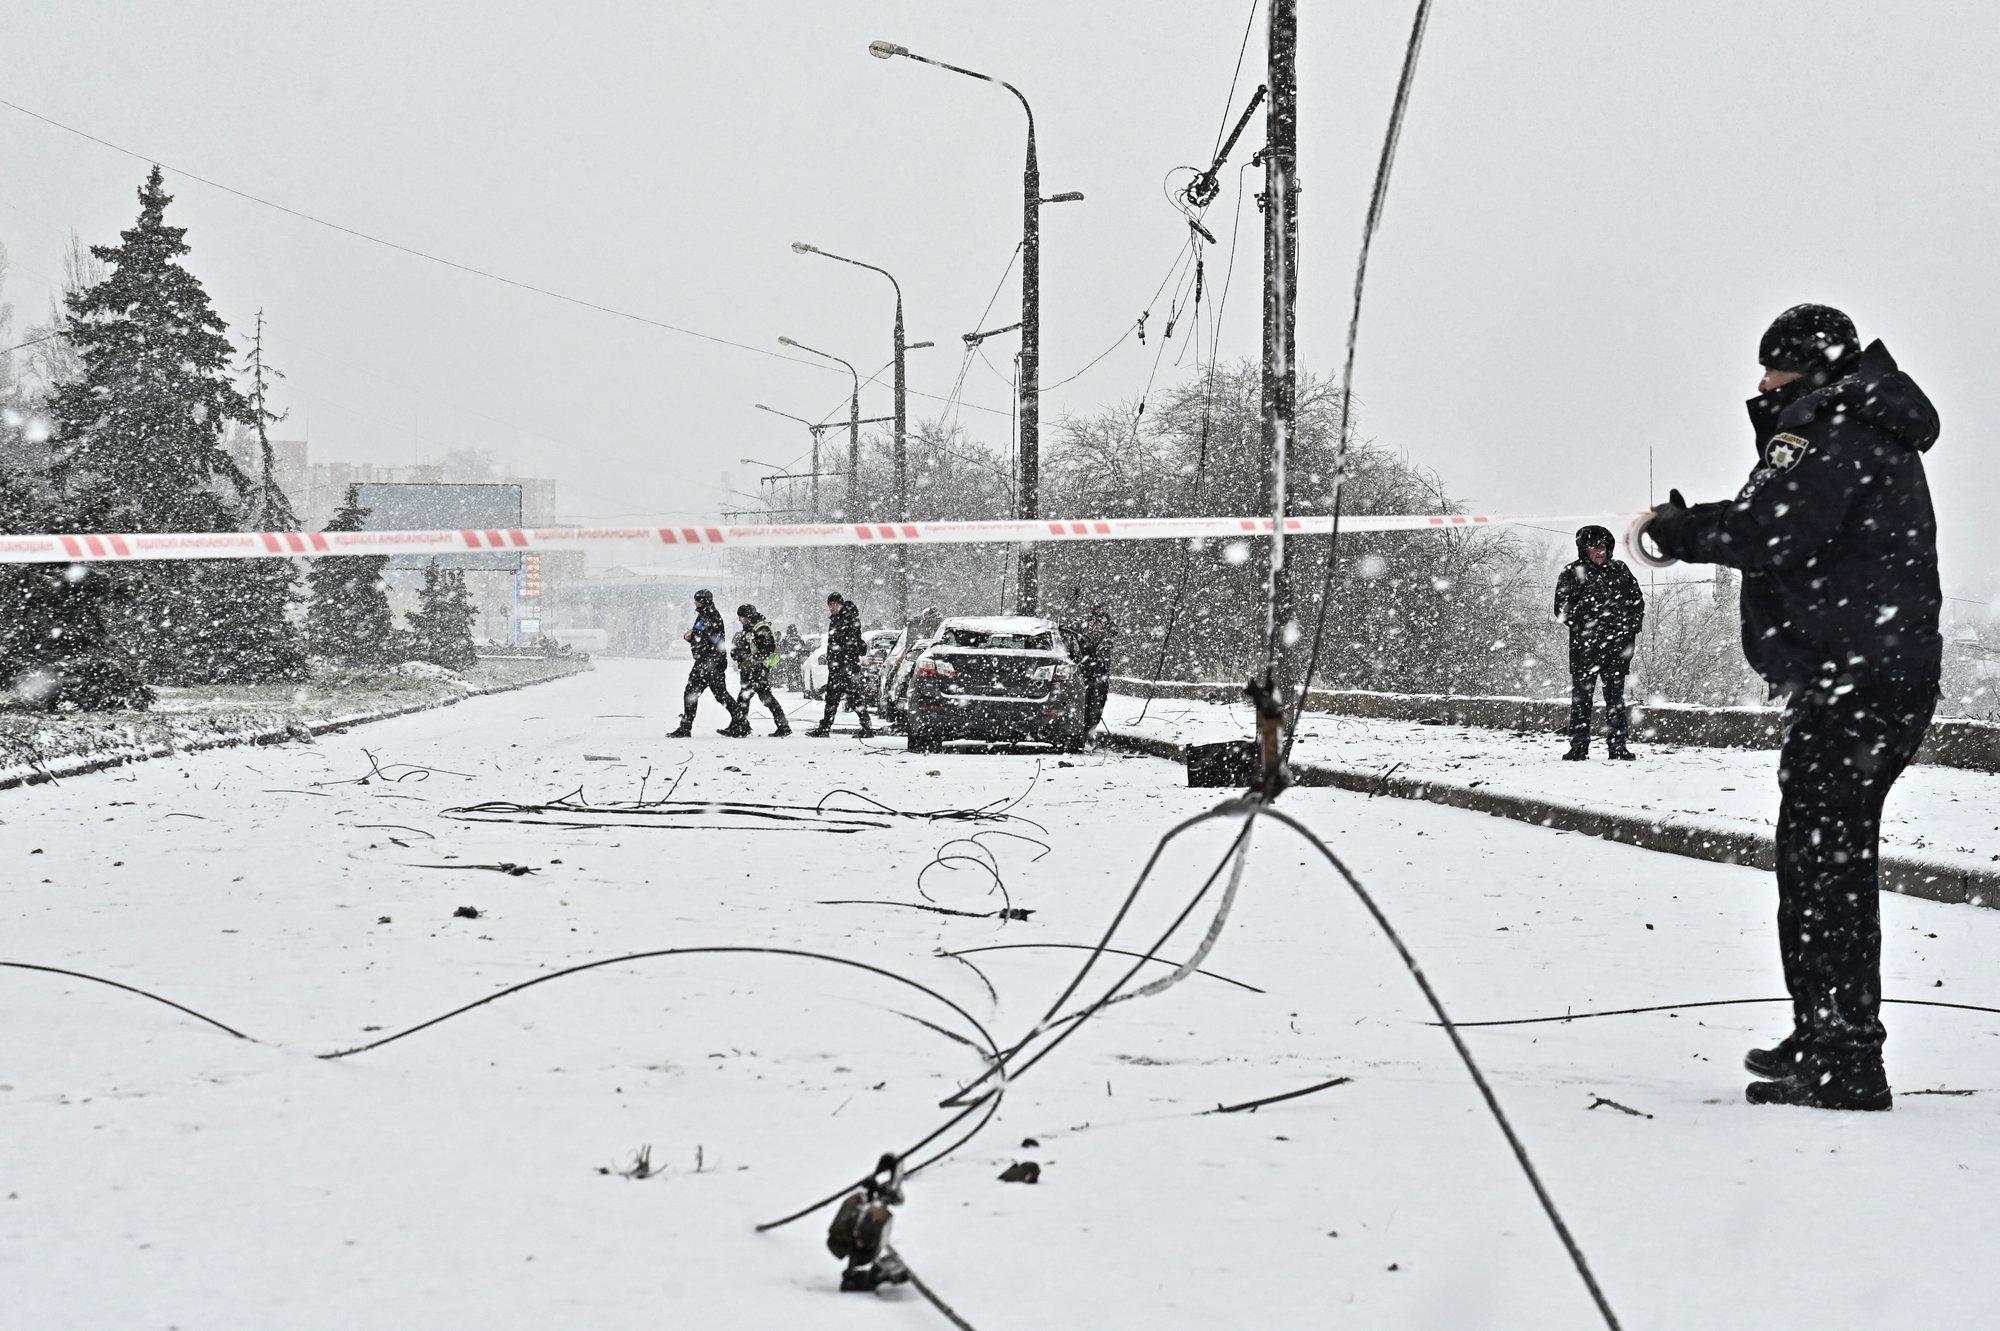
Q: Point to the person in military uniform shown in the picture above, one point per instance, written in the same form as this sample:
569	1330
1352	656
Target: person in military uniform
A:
1837	541
756	651
1600	600
707	640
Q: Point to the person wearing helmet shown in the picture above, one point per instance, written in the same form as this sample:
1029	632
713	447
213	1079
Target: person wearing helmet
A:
1837	540
757	652
1600	600
708	639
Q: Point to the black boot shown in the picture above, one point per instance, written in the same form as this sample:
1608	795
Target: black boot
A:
1577	753
1845	1079
1618	751
865	732
1780	1060
686	731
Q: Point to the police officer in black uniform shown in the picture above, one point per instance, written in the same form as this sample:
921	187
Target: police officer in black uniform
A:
1600	600
844	649
1837	542
708	641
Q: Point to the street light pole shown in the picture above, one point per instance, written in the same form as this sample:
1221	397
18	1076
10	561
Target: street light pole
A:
853	437
1029	391
814	430
899	454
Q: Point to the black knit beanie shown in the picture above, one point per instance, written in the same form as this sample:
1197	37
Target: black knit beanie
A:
1808	338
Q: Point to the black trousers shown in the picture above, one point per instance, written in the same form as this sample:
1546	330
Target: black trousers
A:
755	681
1582	697
709	675
1096	690
1841	755
842	685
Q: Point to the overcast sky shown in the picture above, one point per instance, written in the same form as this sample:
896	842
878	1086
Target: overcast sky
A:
1596	210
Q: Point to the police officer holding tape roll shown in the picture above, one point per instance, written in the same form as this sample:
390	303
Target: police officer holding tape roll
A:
1836	538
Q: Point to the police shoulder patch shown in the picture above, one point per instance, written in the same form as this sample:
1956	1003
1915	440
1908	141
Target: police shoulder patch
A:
1784	451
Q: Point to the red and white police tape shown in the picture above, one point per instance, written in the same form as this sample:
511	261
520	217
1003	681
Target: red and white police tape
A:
126	547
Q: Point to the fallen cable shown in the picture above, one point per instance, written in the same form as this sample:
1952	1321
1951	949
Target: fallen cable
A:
992	1048
1465	1056
1112	951
1048	1020
1701	1003
1009	913
565	813
930	1295
133	989
1254	1105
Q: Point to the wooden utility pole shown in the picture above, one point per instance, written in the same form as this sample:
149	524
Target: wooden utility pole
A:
1280	379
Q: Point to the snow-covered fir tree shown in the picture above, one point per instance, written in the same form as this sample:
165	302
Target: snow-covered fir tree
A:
441	625
139	448
348	620
56	650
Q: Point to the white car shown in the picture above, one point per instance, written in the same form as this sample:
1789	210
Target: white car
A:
876	645
813	672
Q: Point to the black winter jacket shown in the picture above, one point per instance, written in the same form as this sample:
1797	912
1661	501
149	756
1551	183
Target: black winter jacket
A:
1605	610
1833	531
844	644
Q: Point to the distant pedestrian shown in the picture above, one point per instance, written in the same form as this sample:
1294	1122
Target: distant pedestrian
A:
1600	600
756	653
1837	541
792	653
844	647
708	639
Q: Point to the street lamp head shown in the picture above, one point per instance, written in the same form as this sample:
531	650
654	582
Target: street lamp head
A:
760	406
917	346
1067	196
784	341
800	247
884	50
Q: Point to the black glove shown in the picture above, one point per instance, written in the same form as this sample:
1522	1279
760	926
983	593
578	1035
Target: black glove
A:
1663	529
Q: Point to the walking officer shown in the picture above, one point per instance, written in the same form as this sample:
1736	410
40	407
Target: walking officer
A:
708	639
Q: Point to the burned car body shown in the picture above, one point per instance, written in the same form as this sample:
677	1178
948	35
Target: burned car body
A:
995	678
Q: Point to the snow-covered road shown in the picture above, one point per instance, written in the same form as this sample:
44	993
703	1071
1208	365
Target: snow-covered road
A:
155	1172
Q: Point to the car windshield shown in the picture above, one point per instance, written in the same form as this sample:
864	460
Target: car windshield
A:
998	642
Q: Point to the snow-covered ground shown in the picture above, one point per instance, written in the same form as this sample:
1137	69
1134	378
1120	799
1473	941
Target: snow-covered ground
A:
1947	814
35	745
156	1172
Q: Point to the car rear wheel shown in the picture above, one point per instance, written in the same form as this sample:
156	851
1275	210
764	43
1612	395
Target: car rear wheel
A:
922	739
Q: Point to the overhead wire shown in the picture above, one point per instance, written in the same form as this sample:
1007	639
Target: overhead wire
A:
1377	200
1179	600
428	257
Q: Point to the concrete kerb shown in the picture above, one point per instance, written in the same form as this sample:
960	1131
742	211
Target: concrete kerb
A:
1911	875
262	735
1951	742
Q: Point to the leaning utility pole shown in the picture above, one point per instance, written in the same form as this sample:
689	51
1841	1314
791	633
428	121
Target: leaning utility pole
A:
1280	379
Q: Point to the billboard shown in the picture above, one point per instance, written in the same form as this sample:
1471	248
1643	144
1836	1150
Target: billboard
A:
443	507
